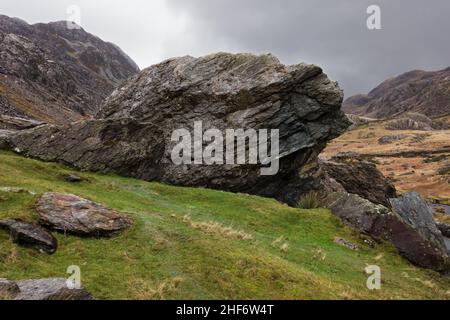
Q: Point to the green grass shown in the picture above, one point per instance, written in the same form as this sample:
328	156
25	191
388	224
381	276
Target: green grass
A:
177	250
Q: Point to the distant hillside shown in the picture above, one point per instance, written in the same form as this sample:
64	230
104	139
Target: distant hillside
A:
54	74
416	91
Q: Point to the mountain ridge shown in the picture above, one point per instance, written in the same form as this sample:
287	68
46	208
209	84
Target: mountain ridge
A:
426	92
54	74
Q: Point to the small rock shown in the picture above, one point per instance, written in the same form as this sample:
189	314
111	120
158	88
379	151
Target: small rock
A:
8	289
50	289
346	243
30	235
73	178
71	214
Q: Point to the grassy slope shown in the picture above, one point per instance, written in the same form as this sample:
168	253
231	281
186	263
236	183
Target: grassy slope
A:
164	256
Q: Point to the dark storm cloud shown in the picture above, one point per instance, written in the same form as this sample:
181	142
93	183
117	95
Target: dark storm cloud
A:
330	33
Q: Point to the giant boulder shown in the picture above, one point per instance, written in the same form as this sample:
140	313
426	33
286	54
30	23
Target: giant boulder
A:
132	133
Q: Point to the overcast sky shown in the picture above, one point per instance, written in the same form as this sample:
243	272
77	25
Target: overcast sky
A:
330	33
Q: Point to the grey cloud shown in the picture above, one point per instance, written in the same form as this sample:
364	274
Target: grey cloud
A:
330	33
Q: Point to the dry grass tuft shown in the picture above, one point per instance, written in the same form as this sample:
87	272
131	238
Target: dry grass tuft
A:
319	254
312	200
5	297
146	292
10	257
442	217
215	228
281	243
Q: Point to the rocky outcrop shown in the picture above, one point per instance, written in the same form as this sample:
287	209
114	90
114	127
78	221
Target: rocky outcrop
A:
412	121
423	92
359	177
359	213
418	238
132	136
410	226
49	289
54	74
30	235
388	139
17	123
74	215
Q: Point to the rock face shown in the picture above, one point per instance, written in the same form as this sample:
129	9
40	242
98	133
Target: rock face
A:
30	235
416	91
418	238
16	123
4	138
54	74
74	215
360	177
49	289
123	146
132	136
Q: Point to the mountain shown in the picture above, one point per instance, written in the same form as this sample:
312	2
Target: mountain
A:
415	91
54	74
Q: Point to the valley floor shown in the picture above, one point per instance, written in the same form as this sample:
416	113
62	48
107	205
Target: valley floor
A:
414	160
202	244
